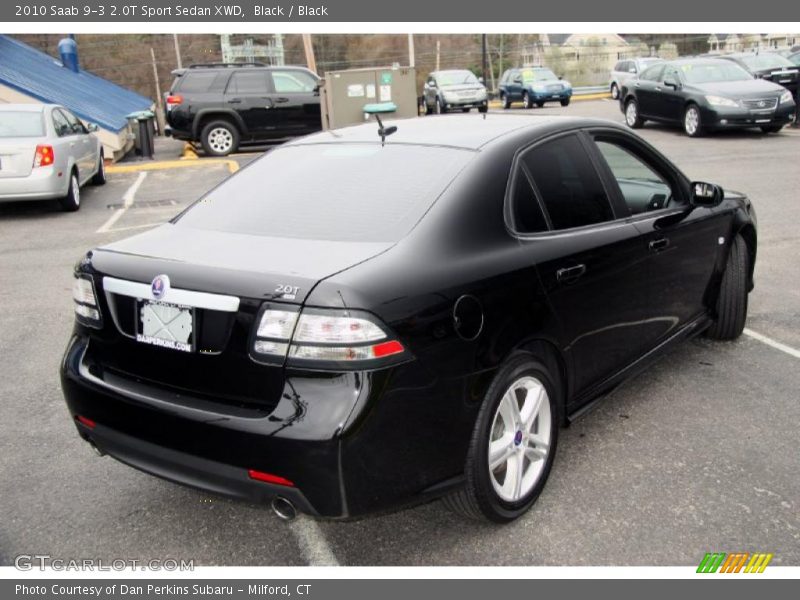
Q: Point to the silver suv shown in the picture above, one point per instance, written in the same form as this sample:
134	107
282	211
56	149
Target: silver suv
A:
628	69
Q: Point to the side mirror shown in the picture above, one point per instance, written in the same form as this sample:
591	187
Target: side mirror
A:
671	82
517	79
92	127
560	78
632	70
480	79
707	195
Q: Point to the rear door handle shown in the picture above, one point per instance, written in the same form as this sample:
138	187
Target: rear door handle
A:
658	245
658	89
281	100
570	274
235	101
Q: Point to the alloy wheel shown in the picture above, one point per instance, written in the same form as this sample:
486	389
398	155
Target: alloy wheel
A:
519	439
691	120
220	140
614	91
631	113
76	190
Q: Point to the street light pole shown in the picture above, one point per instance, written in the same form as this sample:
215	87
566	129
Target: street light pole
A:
485	57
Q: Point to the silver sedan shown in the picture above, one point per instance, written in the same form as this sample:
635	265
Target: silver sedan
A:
45	153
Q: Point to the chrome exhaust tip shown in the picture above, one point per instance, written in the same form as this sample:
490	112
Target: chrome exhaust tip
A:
97	450
284	508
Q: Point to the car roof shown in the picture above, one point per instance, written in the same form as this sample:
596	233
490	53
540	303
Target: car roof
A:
695	60
470	132
28	107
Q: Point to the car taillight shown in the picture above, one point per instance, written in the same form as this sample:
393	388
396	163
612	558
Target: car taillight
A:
44	156
323	338
176	99
85	302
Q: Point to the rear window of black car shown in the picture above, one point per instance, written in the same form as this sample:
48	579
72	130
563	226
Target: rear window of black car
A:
336	192
200	82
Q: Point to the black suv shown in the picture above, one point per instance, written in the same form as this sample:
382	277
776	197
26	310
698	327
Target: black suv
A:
223	105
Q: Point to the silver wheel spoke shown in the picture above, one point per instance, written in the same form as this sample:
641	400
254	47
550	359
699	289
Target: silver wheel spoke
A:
499	451
531	406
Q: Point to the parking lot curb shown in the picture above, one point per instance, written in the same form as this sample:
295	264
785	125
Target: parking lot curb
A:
163	165
598	96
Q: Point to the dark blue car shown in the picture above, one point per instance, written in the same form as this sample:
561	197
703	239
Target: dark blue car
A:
533	85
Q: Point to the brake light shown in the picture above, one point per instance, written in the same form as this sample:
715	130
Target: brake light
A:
177	99
269	478
323	338
84	421
44	156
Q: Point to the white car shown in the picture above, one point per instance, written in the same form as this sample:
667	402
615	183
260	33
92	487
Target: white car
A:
45	153
627	69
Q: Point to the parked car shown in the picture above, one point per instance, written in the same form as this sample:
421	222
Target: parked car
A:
533	85
705	94
627	69
415	320
47	153
770	66
454	90
224	105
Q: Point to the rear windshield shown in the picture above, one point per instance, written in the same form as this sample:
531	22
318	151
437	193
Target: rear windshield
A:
18	123
720	70
337	192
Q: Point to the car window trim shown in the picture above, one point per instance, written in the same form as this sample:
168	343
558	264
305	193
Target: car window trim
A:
508	201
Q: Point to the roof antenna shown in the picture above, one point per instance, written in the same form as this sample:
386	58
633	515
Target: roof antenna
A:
378	110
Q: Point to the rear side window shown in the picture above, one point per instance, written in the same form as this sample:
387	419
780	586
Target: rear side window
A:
253	82
60	123
200	82
568	183
652	73
334	192
528	215
15	123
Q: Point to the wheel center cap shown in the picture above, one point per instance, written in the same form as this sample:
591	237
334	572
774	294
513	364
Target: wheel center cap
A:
518	438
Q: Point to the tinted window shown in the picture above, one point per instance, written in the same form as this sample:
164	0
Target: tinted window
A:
642	188
61	124
528	216
74	124
652	73
248	83
620	66
198	81
568	183
15	123
293	81
337	192
757	62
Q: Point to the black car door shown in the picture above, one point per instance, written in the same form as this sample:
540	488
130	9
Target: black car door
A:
590	263
668	99
248	94
644	88
295	94
682	243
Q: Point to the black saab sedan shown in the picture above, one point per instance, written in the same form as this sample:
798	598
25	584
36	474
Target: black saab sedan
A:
705	94
344	326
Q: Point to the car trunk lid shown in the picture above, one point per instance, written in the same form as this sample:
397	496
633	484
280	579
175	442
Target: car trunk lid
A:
16	156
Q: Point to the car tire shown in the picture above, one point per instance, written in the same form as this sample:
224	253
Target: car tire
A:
565	102
692	125
441	106
99	178
539	104
731	306
632	118
72	201
615	91
483	108
483	497
526	100
771	128
219	138
505	101
466	110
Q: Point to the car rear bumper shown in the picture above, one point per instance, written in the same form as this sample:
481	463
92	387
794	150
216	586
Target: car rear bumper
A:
343	457
43	183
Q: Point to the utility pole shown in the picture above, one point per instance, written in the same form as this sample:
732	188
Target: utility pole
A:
484	58
438	52
159	105
411	60
177	50
309	49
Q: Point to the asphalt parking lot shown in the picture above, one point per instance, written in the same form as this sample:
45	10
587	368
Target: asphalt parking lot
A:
700	453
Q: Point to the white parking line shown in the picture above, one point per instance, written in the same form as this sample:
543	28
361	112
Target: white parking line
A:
312	542
127	199
770	342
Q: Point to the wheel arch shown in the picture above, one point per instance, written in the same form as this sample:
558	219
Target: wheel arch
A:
548	353
204	116
750	237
